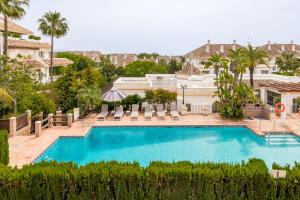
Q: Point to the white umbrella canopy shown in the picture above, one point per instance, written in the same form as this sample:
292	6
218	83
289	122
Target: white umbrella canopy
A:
113	95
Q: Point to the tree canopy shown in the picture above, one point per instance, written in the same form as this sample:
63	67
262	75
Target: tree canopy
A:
141	68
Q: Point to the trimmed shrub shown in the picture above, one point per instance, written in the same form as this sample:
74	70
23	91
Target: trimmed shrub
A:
182	180
4	157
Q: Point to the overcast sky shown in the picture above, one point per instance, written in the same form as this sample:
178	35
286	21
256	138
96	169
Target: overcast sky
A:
171	27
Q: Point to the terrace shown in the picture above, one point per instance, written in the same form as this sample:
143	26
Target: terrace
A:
25	149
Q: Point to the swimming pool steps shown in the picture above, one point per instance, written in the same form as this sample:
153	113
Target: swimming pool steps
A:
282	139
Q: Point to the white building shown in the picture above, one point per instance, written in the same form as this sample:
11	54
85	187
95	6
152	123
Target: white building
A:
197	56
32	52
200	89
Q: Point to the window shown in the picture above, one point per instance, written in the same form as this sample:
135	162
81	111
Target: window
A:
271	96
41	54
205	72
265	72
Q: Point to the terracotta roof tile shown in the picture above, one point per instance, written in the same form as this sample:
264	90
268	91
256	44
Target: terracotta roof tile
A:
14	28
278	49
280	86
33	63
26	44
208	50
59	62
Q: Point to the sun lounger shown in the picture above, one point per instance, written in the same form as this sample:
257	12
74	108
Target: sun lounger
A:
148	112
174	113
134	112
160	112
119	113
104	112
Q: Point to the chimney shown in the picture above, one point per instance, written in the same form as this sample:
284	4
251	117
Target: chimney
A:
222	48
234	45
269	45
207	46
282	47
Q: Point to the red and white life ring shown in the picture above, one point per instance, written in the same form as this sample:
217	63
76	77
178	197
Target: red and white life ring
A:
279	107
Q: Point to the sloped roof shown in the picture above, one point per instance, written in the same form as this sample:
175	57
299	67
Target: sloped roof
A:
59	62
26	44
280	86
33	63
14	28
278	49
208	50
188	68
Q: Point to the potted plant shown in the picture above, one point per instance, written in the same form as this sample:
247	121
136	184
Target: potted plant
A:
275	101
298	103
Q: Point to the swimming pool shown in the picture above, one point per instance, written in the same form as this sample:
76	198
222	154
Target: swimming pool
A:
195	144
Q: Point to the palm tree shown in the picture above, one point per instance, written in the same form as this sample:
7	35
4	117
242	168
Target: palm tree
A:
237	64
5	96
216	61
254	57
11	9
52	24
88	98
287	62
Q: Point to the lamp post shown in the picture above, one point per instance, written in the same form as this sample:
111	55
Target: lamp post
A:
183	87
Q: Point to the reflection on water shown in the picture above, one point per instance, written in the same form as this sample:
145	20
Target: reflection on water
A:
170	144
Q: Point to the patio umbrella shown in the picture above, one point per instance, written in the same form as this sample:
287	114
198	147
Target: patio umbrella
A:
113	95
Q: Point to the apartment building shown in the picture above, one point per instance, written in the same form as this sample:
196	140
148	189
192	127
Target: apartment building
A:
30	51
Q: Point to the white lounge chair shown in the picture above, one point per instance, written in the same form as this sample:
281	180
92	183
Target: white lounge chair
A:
119	113
134	112
161	114
174	113
104	112
148	112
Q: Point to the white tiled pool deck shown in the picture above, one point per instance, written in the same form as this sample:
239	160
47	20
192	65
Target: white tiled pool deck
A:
24	149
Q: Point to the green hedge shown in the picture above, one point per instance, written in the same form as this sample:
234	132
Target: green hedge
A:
4	157
181	180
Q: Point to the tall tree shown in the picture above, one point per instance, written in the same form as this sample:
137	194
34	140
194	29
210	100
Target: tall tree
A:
237	64
11	9
254	57
54	25
287	62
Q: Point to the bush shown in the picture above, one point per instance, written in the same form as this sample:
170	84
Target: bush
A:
130	100
4	157
33	37
113	180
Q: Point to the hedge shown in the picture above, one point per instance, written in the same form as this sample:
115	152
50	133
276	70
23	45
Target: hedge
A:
4	157
113	180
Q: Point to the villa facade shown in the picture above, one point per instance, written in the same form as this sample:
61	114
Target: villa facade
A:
30	51
201	54
199	90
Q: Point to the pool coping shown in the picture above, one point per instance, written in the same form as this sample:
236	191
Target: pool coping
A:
164	126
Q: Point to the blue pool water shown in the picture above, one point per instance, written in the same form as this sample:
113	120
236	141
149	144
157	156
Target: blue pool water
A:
195	144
